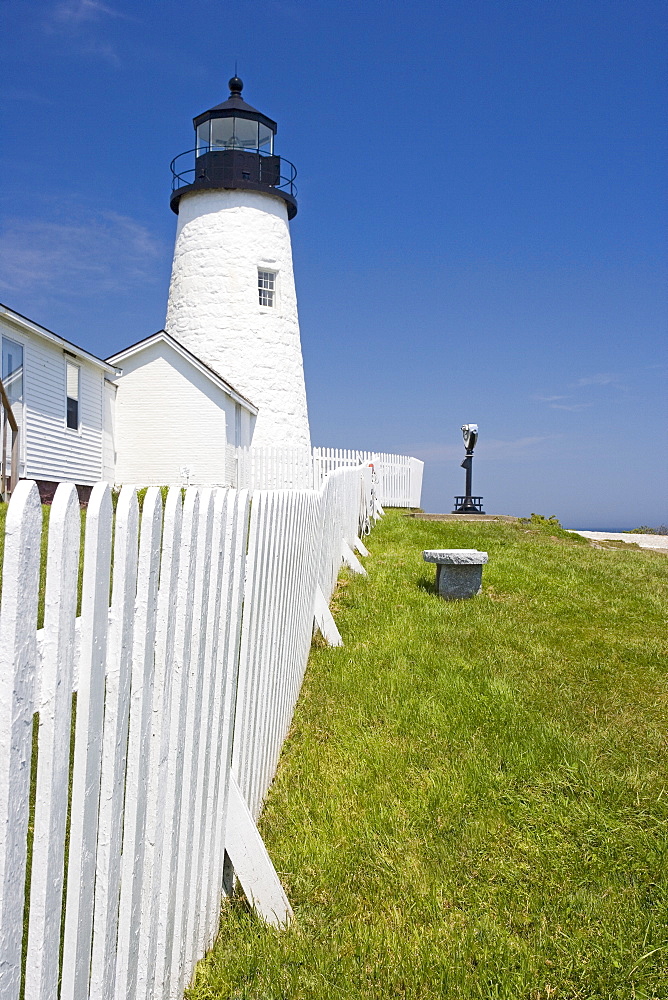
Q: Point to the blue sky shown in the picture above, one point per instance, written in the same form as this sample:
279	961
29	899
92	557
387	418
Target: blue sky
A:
481	227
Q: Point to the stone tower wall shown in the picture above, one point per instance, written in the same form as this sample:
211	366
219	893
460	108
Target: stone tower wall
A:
223	238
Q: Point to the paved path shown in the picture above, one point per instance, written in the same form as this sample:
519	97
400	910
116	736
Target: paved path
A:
659	542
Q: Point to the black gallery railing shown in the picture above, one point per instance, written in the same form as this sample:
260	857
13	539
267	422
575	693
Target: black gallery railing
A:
208	165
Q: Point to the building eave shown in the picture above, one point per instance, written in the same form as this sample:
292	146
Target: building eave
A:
29	326
163	337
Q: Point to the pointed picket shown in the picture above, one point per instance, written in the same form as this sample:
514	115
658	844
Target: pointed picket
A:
55	725
236	541
268	650
172	792
211	719
114	747
280	647
18	663
141	697
88	746
157	825
191	744
248	649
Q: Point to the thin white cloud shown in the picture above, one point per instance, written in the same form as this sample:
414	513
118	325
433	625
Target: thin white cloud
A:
76	12
25	95
102	50
603	378
557	401
102	253
83	22
491	448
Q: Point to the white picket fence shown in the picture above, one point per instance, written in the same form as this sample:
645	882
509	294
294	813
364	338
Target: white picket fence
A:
399	477
193	671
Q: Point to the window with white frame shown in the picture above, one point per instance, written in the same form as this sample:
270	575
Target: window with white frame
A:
12	370
266	286
73	374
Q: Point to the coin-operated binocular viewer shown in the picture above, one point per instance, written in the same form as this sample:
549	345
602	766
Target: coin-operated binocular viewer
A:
469	504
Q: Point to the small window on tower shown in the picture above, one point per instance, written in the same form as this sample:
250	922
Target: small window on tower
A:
266	285
73	396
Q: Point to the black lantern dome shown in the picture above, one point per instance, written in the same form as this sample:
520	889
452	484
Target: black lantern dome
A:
235	149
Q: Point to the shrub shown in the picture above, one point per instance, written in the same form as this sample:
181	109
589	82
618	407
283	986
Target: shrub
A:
550	526
538	521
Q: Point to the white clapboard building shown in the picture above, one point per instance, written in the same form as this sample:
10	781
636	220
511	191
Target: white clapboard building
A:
62	399
177	420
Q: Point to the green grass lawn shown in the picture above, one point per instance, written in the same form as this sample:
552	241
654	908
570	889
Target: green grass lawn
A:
473	799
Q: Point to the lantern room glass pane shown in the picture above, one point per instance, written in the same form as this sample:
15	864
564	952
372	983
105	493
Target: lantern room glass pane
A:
234	133
222	133
245	133
265	139
203	137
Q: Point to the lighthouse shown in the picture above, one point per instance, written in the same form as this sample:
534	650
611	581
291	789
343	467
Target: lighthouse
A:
232	299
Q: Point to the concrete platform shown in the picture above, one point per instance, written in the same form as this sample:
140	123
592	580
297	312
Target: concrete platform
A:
463	517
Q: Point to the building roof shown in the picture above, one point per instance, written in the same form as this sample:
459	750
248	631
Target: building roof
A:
30	326
207	370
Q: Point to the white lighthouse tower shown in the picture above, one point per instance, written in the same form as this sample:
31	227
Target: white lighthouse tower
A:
232	298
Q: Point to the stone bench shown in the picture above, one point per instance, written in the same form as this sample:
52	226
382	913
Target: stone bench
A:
458	571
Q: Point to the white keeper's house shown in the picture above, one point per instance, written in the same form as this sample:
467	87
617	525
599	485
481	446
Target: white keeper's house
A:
62	398
223	384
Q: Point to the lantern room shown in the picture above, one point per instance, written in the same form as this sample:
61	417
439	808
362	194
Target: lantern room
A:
234	148
234	125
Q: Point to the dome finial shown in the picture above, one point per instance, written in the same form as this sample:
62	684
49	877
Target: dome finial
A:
236	85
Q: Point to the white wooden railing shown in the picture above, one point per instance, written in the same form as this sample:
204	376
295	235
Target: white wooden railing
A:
399	477
280	468
189	676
